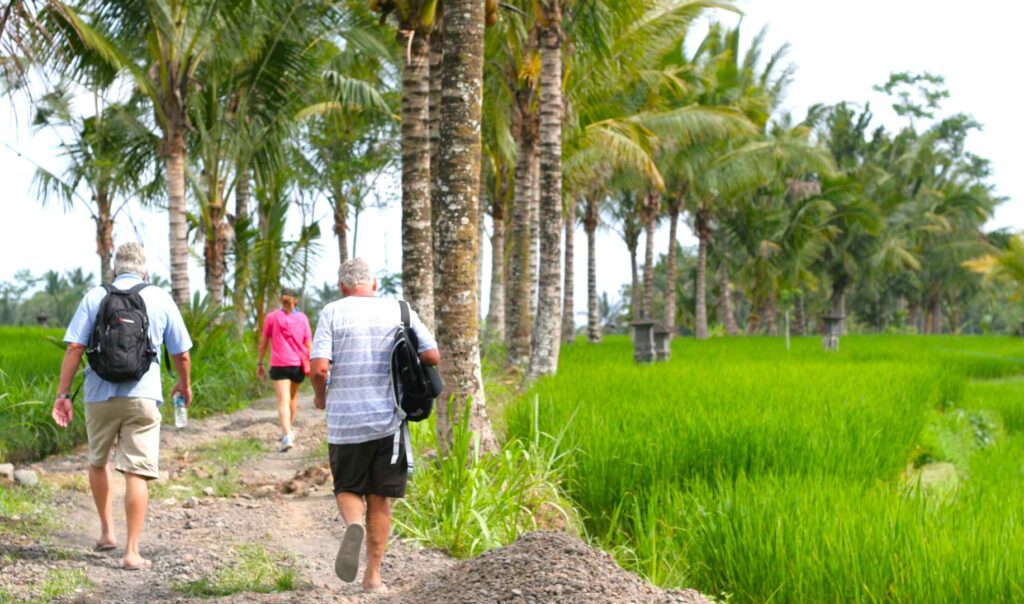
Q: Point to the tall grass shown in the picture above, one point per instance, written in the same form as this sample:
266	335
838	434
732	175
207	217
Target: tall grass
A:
746	471
467	502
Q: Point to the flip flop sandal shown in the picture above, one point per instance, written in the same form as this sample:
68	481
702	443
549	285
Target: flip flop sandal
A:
380	589
104	547
146	565
346	565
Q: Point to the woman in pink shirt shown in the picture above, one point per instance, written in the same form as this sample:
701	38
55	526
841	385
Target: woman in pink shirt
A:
287	332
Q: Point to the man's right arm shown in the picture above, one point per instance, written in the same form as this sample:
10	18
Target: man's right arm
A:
319	369
183	365
178	343
321	354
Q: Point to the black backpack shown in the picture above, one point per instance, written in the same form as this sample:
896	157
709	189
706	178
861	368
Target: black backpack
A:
119	349
416	385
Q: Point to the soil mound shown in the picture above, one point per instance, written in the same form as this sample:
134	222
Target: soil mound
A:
541	567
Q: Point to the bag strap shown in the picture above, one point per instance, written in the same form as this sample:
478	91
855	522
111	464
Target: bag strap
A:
407	326
288	334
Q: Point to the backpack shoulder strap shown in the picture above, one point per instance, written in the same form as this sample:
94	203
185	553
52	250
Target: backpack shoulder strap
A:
138	288
404	313
407	326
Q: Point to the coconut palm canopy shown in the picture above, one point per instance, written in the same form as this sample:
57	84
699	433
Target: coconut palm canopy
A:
626	117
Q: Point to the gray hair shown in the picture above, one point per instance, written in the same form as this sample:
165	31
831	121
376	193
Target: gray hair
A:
130	258
355	272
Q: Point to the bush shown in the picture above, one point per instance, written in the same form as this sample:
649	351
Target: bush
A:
467	502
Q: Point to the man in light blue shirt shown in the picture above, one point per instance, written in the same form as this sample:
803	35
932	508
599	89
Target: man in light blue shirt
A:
124	416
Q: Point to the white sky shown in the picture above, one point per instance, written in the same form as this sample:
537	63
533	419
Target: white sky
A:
841	50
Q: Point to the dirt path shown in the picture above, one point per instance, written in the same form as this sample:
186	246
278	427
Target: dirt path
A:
279	508
187	540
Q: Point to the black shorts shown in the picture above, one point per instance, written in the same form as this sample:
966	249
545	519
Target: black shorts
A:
294	374
366	468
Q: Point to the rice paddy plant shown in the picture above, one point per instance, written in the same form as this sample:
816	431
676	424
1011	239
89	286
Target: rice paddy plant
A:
1004	397
760	475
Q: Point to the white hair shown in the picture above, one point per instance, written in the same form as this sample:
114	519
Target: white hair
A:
130	258
355	272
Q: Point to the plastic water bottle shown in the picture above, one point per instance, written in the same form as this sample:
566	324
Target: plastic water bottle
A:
180	411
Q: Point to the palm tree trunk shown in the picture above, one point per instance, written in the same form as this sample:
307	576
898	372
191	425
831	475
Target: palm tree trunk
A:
800	317
838	304
434	122
728	313
496	308
178	232
771	312
650	214
701	305
104	235
568	316
754	320
458	172
341	226
532	270
417	236
213	250
636	294
675	206
518	318
548	326
590	220
242	270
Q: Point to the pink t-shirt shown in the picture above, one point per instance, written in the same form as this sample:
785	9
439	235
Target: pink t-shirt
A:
289	334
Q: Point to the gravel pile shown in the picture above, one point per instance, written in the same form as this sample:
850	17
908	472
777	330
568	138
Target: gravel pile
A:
541	567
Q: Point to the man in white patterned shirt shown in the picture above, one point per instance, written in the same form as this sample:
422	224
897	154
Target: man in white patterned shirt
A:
352	346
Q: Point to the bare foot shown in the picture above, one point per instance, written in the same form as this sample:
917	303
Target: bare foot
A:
378	588
136	563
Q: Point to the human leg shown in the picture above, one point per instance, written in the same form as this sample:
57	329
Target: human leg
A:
137	458
99	483
294	400
350	506
136	498
284	415
378	529
102	423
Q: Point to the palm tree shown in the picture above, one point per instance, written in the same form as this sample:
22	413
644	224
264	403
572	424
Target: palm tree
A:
160	45
459	180
110	153
511	123
548	326
416	20
591	220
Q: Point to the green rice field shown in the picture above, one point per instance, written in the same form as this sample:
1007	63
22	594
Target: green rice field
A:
890	471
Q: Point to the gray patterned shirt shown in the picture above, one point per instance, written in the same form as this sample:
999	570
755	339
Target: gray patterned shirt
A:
356	334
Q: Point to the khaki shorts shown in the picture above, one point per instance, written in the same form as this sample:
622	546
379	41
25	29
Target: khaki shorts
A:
133	425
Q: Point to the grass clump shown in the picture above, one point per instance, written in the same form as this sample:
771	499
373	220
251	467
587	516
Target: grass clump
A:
31	506
211	465
60	582
467	502
254	568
